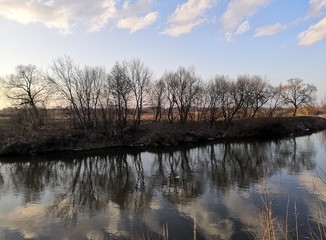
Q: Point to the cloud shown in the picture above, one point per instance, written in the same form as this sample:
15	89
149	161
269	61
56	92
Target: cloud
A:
313	34
269	30
137	23
62	14
316	8
30	220
243	27
236	13
127	11
27	12
187	16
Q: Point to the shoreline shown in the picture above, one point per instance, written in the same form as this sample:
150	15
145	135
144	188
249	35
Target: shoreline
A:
158	135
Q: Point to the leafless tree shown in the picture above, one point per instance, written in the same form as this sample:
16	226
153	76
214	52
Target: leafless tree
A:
298	94
106	107
200	106
62	79
171	88
187	87
80	87
89	82
27	89
139	77
157	98
216	95
120	89
262	93
232	97
257	94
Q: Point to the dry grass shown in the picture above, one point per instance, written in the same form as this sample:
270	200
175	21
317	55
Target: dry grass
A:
62	134
272	228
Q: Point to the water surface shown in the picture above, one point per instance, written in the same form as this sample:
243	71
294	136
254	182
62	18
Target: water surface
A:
207	192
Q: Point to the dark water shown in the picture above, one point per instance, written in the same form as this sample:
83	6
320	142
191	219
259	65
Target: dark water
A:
209	192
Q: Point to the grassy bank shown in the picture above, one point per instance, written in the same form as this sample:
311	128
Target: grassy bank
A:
23	141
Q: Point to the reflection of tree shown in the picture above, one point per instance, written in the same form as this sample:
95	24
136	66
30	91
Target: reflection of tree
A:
244	163
141	191
235	164
219	174
178	174
86	186
323	137
294	157
92	182
30	178
1	180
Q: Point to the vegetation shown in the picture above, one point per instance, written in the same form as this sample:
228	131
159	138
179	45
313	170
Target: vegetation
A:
99	108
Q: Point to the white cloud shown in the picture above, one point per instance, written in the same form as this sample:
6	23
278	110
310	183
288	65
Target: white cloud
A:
62	14
269	30
236	13
316	8
27	12
317	31
136	23
30	220
187	16
100	20
243	27
313	34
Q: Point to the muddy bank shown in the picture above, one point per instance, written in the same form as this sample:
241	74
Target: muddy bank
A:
155	135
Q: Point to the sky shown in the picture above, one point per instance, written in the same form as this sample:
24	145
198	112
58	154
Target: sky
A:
278	39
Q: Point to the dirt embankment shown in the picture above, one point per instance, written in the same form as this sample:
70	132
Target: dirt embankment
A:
156	135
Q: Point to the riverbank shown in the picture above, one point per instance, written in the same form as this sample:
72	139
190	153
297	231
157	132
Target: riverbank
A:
31	142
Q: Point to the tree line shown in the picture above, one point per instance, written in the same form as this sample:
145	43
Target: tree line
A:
96	97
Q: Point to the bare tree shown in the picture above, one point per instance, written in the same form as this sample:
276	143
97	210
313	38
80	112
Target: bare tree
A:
257	94
27	89
139	77
298	94
62	78
262	94
171	87
157	98
106	105
274	102
232	97
200	105
120	89
80	87
215	94
187	87
89	82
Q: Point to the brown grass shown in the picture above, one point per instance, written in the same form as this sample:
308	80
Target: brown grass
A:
58	134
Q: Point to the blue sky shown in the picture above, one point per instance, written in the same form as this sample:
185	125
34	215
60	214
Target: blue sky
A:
279	39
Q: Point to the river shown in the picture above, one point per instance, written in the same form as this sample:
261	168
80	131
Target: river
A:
216	191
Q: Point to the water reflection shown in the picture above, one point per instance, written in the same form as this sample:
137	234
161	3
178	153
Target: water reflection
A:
208	192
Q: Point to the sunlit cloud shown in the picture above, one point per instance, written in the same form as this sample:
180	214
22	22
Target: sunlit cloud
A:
137	23
27	12
114	225
316	8
187	16
124	16
236	13
313	34
269	30
206	221
30	220
243	27
63	15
